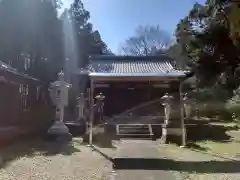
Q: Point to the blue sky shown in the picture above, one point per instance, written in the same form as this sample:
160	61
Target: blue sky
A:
117	20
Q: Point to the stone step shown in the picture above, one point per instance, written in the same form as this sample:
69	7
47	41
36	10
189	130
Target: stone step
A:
133	129
129	134
136	127
133	124
134	133
135	136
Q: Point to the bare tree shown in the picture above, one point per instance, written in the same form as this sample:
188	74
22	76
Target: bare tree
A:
146	41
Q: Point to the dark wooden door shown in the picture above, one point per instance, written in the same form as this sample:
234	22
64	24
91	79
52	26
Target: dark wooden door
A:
120	100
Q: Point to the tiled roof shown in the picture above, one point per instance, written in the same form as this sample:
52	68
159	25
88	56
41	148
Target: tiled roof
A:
5	67
132	65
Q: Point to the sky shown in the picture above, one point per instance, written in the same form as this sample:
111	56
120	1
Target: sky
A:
117	20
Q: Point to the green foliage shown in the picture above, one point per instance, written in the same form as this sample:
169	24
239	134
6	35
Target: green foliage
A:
212	94
229	11
215	110
175	52
208	36
233	104
89	42
32	38
205	40
80	41
211	103
234	19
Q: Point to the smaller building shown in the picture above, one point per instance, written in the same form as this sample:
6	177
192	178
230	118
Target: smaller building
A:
128	81
23	107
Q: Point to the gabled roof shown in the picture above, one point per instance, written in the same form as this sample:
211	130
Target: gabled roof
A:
7	68
58	83
122	66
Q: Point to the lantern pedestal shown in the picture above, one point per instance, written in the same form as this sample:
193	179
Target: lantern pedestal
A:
59	131
58	128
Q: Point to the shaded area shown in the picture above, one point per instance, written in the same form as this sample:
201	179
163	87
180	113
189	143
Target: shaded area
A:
100	139
105	155
76	128
217	133
103	135
192	145
210	132
182	166
35	147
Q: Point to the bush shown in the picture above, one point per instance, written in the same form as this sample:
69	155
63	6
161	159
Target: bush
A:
233	104
215	94
215	110
234	109
211	103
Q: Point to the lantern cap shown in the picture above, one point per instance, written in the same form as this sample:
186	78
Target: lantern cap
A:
57	84
166	95
100	97
61	73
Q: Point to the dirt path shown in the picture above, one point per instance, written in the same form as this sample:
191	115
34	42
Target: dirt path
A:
140	160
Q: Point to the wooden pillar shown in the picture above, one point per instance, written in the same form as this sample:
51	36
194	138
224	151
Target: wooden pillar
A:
91	111
183	133
87	109
197	100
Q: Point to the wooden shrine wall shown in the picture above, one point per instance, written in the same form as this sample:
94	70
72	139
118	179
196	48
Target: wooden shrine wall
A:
123	96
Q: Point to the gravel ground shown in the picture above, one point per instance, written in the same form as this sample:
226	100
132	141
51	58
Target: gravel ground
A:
38	160
76	162
195	171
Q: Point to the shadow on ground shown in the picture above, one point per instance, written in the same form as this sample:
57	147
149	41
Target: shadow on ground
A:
195	146
76	128
105	155
182	166
35	147
210	132
101	139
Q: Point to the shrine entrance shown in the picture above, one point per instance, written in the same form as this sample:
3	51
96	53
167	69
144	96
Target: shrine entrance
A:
129	80
123	96
132	96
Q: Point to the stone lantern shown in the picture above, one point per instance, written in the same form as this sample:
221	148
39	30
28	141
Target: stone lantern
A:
99	103
100	98
166	102
59	96
80	107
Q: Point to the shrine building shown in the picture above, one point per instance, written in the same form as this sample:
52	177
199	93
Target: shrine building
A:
127	81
